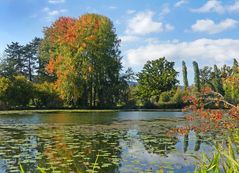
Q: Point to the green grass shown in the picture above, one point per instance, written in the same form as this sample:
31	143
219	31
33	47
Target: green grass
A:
54	111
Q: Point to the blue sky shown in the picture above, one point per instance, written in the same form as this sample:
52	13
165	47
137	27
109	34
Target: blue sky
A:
201	30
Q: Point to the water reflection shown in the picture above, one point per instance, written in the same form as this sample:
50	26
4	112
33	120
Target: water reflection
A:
124	145
185	143
198	142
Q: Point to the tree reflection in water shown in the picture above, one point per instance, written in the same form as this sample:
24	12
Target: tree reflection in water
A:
123	146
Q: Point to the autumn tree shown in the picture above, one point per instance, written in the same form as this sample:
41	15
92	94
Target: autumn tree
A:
83	55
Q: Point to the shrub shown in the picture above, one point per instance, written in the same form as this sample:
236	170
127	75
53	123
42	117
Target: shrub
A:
4	85
165	96
19	92
45	95
231	89
178	96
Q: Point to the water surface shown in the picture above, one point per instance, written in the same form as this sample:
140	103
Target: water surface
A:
109	142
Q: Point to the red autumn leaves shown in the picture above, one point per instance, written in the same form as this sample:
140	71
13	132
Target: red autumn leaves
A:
202	119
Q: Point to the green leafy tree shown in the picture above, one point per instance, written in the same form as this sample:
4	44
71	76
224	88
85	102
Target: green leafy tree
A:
20	92
45	95
178	96
230	85
4	85
206	77
125	95
156	77
196	76
185	75
218	81
165	96
235	66
226	71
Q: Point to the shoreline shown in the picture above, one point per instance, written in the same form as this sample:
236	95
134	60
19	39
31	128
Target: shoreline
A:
31	111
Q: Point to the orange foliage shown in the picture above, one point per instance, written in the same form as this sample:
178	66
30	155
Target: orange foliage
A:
51	66
67	39
202	119
58	32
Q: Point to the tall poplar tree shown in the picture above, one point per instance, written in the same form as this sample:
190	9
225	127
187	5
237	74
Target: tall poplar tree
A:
196	76
185	75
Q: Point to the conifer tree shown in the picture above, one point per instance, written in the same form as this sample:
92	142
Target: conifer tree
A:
13	62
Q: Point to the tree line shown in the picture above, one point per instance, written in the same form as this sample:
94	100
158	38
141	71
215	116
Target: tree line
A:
158	86
78	64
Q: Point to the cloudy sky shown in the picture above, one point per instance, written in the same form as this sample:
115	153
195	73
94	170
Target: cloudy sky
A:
201	30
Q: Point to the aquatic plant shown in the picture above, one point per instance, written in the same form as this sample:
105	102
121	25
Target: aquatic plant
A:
38	168
224	159
202	120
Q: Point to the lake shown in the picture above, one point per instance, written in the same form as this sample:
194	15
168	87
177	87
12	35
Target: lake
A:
109	142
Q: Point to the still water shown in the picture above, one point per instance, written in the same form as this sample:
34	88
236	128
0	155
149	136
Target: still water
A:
106	142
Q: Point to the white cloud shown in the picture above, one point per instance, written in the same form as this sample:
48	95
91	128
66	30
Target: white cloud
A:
143	23
169	27
180	3
130	11
128	38
210	6
51	14
164	11
207	51
234	7
46	9
218	7
112	7
56	1
152	40
210	27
